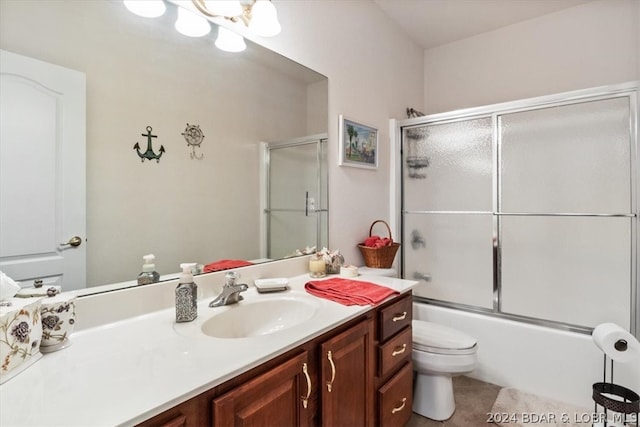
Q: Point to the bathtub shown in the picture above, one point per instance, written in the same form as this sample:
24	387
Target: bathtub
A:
548	362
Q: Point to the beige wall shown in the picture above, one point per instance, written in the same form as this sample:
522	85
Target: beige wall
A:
590	45
375	73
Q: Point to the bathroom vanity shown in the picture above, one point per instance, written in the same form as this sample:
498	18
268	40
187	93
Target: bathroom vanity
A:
358	373
329	365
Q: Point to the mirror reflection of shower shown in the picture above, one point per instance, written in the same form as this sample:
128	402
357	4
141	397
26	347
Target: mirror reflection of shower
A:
295	195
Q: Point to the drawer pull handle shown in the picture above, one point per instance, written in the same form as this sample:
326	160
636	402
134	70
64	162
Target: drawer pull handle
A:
399	350
305	399
333	371
401	407
399	317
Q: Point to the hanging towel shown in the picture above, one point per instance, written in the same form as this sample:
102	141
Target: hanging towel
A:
349	292
225	264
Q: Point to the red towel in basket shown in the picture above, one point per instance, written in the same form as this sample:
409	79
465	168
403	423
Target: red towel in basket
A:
349	292
225	264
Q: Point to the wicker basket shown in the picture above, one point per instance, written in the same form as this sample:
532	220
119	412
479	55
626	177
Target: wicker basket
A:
379	257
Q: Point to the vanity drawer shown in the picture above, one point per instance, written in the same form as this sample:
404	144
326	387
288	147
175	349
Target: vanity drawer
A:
395	398
395	317
395	351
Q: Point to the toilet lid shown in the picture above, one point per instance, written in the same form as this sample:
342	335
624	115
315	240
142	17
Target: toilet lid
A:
433	335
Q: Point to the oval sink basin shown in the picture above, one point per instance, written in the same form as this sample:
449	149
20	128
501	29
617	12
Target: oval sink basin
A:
259	317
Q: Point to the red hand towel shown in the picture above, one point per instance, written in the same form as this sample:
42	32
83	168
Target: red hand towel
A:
225	264
349	292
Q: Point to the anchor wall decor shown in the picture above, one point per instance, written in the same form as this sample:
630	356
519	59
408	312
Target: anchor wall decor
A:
149	154
194	136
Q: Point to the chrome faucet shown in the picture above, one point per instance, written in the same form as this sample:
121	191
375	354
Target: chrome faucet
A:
230	291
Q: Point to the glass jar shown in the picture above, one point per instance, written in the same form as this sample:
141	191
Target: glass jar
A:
317	266
337	261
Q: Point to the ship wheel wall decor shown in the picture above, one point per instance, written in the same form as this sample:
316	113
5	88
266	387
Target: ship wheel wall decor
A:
194	136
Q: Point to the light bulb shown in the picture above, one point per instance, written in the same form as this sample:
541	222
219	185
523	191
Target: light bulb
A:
190	24
224	7
229	41
146	8
264	19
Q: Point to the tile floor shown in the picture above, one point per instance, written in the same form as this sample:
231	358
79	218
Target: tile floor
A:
474	399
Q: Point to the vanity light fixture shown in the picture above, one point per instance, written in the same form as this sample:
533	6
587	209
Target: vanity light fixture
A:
229	41
258	16
146	8
190	24
264	19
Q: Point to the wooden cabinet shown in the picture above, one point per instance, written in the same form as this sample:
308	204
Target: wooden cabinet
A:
395	370
395	398
358	374
278	397
192	413
347	377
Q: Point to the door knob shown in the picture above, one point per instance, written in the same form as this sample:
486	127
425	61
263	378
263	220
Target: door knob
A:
74	241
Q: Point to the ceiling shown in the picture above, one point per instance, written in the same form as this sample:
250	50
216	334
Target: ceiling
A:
433	23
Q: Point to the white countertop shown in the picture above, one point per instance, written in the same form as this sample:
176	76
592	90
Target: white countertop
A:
125	372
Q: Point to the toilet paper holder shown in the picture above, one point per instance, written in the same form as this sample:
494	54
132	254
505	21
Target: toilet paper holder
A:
614	397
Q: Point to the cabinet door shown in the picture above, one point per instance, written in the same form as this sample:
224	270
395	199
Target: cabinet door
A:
275	398
347	377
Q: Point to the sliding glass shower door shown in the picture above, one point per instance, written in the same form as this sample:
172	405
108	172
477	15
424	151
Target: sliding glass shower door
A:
566	217
448	205
526	210
296	196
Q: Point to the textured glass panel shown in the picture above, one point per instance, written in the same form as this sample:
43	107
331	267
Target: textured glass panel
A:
573	158
290	231
448	167
456	250
568	269
293	172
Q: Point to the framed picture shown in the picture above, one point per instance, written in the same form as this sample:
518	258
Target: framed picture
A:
358	144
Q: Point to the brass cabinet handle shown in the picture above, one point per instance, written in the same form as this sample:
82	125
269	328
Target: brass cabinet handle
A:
399	350
333	371
401	407
305	399
399	317
74	241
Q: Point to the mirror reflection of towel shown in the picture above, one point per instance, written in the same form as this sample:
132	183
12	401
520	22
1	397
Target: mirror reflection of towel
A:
349	292
225	264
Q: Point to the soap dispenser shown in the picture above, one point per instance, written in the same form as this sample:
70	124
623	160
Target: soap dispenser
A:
149	273
186	295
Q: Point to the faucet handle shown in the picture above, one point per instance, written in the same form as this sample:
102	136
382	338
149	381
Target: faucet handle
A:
230	278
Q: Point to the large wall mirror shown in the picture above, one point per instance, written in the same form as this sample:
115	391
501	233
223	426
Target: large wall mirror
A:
197	204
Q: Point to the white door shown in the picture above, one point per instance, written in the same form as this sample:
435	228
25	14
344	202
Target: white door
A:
42	172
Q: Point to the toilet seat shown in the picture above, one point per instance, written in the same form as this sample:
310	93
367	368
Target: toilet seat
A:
449	351
439	339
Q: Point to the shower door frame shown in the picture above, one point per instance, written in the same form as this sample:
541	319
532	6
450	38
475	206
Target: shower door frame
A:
493	111
265	202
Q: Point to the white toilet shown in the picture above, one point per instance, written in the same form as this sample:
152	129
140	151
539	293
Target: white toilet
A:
439	352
